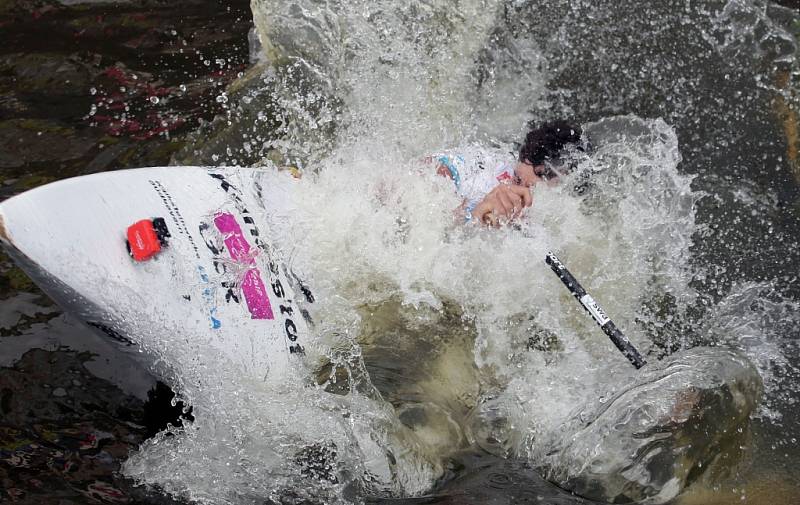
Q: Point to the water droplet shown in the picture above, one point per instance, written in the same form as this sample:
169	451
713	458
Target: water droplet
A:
154	100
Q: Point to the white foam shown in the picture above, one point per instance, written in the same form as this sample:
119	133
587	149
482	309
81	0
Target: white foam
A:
373	223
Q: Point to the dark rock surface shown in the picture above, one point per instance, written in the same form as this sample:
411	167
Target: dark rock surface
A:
64	432
86	88
94	87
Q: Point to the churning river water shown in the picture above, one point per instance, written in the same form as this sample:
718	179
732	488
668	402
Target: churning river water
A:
446	349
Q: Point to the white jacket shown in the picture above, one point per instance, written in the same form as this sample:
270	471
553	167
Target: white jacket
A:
476	170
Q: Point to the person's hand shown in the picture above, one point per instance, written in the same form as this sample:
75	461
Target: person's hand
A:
504	203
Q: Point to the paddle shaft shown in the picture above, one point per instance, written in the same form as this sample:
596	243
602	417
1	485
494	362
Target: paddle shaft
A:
598	314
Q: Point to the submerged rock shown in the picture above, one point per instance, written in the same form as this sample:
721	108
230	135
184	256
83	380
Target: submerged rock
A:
489	480
684	419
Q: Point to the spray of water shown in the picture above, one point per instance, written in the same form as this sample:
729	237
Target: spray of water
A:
432	335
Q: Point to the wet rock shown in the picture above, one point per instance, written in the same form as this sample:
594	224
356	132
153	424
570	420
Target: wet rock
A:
792	4
11	105
491	480
432	425
140	72
22	304
684	419
494	426
16	279
26	141
67	443
277	112
242	135
32	403
161	410
63	64
786	112
442	371
9	7
48	73
59	445
254	124
47	85
19	313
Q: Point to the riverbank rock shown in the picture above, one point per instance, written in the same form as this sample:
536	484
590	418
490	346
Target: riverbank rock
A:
21	142
88	87
686	418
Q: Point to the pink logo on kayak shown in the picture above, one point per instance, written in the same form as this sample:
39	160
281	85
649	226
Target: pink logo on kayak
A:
255	293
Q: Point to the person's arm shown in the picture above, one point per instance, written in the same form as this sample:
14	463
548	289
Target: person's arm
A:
483	198
502	204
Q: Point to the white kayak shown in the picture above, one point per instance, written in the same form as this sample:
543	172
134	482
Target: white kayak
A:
213	271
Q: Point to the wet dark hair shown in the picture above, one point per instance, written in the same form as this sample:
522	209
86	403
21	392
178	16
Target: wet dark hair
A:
548	140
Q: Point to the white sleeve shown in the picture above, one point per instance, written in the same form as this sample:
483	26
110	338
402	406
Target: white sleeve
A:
470	170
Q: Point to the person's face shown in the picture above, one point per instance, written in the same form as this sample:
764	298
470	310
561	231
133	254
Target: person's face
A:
527	175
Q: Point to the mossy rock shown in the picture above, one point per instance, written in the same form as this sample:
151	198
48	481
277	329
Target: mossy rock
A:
13	281
163	152
26	141
34	181
18	281
258	123
39	125
49	73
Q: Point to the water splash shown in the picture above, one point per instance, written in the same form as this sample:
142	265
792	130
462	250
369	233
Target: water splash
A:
358	93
